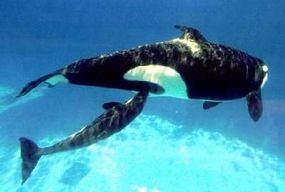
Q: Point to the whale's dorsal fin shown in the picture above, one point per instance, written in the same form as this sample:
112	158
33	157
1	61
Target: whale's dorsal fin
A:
190	33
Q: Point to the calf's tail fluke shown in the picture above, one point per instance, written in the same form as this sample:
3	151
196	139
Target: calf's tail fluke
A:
33	84
30	157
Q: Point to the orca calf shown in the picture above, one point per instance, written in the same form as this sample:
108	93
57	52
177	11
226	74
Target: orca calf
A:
114	119
188	67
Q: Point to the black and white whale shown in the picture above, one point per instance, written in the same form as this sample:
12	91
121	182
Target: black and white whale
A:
188	67
116	117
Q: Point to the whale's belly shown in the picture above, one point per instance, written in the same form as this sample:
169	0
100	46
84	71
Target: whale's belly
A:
166	77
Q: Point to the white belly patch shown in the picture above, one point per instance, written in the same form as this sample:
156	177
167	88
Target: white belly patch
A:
56	80
166	77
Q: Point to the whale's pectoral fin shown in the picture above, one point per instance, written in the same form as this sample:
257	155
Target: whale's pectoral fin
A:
254	104
109	105
190	33
210	104
51	80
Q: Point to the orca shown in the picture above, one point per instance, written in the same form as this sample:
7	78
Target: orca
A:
116	117
187	67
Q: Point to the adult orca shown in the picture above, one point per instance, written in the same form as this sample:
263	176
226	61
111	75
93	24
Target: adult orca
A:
116	117
188	67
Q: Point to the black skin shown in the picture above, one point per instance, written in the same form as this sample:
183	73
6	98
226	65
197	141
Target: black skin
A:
217	73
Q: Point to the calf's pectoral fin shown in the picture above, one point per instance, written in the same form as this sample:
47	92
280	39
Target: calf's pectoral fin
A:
210	104
109	105
254	104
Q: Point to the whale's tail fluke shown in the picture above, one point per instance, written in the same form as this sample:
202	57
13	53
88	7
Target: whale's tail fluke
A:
50	79
30	157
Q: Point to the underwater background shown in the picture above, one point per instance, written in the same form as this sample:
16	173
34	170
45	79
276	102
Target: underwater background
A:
174	145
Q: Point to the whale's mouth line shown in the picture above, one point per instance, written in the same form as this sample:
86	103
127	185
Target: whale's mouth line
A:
264	80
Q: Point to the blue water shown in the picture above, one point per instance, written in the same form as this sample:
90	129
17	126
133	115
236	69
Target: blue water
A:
174	145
